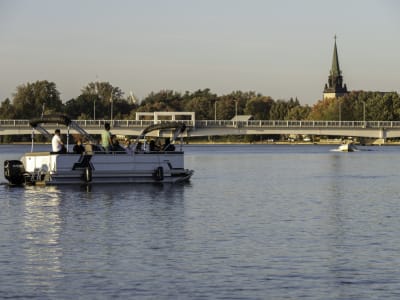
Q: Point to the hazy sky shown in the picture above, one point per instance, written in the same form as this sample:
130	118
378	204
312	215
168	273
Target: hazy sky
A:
278	48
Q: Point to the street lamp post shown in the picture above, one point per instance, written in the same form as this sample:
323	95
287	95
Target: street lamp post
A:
215	111
236	112
94	101
111	102
364	112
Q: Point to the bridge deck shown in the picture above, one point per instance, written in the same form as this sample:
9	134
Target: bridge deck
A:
374	129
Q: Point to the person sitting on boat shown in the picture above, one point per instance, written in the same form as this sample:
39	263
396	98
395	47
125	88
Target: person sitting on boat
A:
139	147
128	146
168	146
153	146
106	141
115	146
78	148
56	143
89	148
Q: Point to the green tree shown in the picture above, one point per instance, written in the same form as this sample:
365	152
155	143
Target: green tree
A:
225	108
236	101
7	110
82	107
376	106
259	107
203	102
123	108
32	99
298	113
99	96
278	110
327	109
166	100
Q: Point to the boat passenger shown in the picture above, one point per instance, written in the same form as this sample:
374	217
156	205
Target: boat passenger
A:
116	147
139	147
106	141
88	148
153	146
78	148
168	146
57	144
128	146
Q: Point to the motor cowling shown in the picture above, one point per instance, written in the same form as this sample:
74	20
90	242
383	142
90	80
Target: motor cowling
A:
14	172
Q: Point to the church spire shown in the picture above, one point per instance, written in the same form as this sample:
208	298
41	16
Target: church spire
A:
335	87
335	70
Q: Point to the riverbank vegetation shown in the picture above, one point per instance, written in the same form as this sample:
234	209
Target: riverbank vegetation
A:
94	102
101	100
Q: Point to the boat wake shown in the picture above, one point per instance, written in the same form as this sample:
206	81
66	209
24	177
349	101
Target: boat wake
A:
340	150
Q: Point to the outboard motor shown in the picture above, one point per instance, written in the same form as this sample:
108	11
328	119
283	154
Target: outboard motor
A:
14	172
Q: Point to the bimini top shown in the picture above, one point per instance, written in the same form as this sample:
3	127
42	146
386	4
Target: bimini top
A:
51	119
166	125
58	119
178	127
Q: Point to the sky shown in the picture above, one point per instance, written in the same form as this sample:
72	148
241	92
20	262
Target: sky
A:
279	48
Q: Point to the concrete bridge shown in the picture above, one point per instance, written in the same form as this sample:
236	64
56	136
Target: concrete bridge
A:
197	128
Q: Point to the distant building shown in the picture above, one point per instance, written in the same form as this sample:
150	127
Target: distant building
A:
335	87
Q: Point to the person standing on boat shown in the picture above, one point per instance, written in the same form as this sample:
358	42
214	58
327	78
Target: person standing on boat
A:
56	142
106	141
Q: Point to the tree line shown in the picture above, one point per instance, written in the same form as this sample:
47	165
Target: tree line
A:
101	100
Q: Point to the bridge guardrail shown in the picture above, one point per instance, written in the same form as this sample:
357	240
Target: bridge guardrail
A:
14	123
297	124
93	123
8	123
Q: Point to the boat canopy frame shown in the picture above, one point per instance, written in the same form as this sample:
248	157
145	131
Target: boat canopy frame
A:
37	123
179	129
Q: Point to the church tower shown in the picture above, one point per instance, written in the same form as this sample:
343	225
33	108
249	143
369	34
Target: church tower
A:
335	87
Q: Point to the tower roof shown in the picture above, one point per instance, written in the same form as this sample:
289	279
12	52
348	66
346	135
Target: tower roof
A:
335	70
335	87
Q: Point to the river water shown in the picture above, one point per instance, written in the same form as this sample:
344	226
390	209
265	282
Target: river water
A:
255	222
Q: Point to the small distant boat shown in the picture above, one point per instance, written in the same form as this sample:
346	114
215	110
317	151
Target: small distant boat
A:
138	164
348	147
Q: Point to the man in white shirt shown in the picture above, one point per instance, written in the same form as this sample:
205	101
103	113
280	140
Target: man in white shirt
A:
56	142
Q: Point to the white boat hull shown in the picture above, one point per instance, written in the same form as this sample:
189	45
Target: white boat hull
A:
45	168
347	148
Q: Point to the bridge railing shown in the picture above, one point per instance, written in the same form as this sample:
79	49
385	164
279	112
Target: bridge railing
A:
114	123
297	124
225	123
14	123
94	123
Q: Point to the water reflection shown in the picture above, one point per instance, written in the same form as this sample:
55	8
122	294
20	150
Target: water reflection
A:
41	246
74	230
249	225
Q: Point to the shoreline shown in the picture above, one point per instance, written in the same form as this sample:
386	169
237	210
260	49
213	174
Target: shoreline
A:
244	143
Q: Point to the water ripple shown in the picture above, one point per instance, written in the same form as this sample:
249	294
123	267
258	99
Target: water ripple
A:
255	223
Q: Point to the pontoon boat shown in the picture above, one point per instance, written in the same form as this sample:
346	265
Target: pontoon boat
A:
136	164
